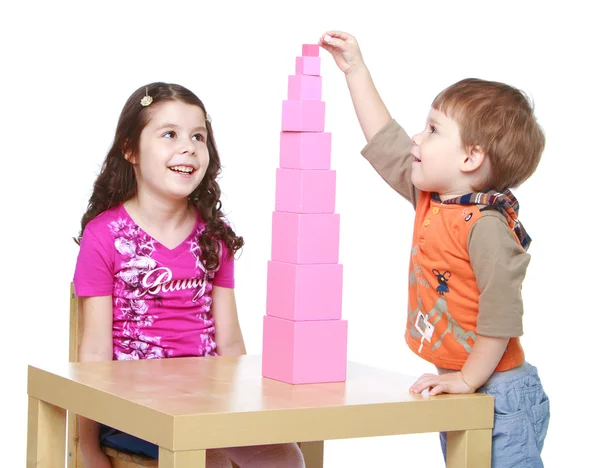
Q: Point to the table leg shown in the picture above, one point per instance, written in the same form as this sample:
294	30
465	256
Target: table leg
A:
313	453
74	455
469	449
187	459
46	433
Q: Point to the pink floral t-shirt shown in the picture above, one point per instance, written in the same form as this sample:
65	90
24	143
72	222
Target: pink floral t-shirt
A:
161	297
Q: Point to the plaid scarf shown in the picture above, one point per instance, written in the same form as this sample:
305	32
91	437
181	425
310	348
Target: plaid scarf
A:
505	203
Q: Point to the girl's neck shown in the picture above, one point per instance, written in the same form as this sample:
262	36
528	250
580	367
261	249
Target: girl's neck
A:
159	215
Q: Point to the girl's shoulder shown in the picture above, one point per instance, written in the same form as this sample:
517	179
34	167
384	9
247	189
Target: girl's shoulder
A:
104	224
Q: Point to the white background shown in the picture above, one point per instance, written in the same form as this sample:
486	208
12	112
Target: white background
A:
68	69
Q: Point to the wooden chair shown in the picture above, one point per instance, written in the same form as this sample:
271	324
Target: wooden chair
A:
312	451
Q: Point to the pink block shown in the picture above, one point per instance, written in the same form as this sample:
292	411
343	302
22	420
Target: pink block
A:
305	191
304	87
308	66
303	116
300	150
305	238
304	352
304	292
310	50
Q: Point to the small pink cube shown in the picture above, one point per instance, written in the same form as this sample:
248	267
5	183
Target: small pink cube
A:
304	292
303	116
304	87
304	352
305	191
310	50
308	66
305	150
305	238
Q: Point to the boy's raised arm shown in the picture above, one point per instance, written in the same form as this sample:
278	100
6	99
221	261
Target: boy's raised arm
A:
368	105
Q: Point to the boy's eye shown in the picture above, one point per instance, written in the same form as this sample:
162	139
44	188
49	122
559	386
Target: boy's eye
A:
432	129
169	134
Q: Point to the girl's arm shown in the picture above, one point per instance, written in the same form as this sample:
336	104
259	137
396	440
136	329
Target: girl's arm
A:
228	334
96	345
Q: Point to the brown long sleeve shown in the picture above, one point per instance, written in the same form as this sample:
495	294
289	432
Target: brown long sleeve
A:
499	264
389	153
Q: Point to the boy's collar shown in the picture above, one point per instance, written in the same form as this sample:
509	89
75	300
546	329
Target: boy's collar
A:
505	202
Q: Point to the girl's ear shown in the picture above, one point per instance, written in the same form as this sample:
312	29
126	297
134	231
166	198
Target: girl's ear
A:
127	154
129	157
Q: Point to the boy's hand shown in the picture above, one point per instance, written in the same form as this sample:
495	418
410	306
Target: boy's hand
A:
344	49
452	382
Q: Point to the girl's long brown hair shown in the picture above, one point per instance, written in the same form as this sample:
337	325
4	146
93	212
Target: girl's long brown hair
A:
116	182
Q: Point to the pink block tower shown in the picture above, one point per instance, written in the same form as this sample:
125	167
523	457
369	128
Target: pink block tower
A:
304	337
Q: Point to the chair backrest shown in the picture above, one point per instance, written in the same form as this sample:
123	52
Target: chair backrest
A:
75	326
75	459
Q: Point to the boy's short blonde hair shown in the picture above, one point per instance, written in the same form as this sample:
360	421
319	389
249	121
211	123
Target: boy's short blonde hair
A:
499	119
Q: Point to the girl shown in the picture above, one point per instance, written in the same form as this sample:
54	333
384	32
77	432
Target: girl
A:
155	268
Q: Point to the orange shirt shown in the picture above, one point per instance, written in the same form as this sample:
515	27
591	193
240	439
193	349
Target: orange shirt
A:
443	287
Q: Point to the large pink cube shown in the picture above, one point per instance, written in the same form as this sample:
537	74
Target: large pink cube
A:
304	87
304	292
300	150
304	352
305	238
303	116
308	66
305	191
310	50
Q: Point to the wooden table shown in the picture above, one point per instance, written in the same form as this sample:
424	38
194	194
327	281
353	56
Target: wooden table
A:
188	405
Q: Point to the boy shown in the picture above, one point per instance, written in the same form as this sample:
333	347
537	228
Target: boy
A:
468	257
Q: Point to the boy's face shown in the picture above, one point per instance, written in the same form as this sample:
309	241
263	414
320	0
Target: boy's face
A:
437	157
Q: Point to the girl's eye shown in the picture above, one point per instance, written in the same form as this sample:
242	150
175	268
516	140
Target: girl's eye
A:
198	137
432	129
169	134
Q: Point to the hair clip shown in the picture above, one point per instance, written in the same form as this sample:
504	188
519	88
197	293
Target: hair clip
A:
146	100
208	118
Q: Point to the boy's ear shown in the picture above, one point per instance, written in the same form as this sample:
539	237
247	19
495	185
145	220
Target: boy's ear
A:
475	158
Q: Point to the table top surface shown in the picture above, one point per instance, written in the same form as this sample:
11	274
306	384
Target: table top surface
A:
227	384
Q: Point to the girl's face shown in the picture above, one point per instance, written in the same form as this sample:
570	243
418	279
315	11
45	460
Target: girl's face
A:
173	156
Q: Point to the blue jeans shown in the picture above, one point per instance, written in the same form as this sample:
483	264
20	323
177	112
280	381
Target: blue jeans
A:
123	442
521	417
